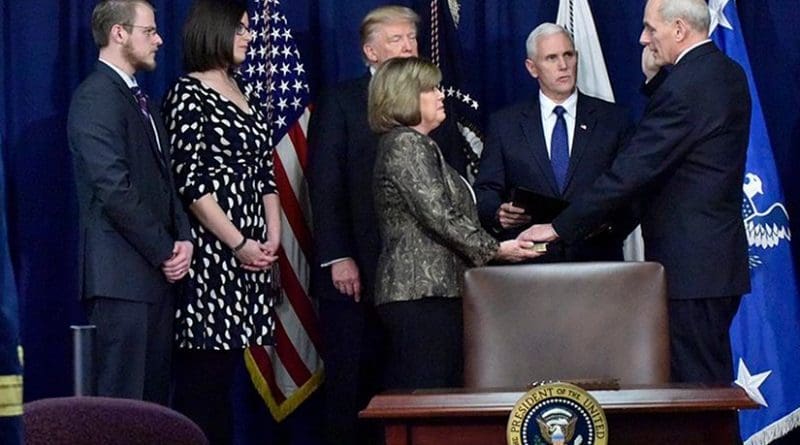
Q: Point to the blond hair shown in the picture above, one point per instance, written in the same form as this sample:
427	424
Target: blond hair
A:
394	92
382	16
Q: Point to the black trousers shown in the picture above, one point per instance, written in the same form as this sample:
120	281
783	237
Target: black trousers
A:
700	345
133	347
202	390
424	343
353	357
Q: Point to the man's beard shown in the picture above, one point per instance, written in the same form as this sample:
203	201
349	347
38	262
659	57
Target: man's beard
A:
137	62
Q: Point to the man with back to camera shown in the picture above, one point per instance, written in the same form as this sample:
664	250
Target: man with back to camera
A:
555	145
342	156
686	160
133	232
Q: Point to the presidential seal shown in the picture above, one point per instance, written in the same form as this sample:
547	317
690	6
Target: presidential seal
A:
557	414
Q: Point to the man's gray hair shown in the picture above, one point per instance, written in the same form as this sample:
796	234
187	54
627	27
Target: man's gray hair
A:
544	30
693	12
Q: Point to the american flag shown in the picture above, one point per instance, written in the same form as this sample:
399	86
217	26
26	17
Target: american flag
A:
286	374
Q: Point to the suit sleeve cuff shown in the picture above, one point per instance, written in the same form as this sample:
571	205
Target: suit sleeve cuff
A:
337	260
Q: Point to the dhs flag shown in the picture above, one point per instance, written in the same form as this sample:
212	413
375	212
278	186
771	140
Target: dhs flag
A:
765	334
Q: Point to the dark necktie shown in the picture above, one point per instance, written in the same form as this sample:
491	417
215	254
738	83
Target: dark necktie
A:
559	148
141	99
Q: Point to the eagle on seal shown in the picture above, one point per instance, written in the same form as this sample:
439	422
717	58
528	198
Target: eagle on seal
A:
557	433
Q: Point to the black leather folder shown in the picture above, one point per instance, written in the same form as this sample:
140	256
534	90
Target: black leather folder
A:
542	208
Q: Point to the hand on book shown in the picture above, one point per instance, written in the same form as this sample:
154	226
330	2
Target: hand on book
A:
539	233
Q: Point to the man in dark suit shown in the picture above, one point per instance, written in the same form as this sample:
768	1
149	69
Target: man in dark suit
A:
523	142
342	157
133	231
686	161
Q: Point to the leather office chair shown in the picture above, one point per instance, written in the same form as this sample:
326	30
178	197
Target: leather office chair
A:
106	421
565	321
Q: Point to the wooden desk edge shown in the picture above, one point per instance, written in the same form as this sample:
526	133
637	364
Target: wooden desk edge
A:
494	403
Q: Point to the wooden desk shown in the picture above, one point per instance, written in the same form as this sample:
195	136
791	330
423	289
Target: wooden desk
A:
676	414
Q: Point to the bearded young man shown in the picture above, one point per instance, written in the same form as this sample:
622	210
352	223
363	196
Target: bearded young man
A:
133	230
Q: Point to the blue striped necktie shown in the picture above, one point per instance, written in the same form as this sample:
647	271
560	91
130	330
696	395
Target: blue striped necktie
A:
559	148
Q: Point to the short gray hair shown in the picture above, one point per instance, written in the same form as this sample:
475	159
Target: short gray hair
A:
544	30
694	12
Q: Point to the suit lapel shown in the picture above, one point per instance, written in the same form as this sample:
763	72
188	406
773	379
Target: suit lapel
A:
162	154
151	136
531	124
584	125
146	126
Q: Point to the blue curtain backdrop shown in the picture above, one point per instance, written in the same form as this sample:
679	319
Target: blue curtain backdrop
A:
46	49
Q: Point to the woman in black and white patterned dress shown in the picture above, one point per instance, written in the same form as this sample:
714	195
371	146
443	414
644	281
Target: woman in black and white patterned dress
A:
222	160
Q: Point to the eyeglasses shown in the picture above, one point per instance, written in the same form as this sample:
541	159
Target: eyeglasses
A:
242	29
149	31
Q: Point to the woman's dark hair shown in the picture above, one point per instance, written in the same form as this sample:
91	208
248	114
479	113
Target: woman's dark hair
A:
209	32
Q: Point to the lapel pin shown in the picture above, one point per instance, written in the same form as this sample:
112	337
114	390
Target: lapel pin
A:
583	126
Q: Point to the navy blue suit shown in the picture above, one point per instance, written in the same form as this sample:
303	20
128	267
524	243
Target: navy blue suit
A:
130	218
686	163
342	151
515	155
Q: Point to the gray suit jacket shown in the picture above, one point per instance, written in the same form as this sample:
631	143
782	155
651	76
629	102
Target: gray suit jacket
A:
130	215
427	219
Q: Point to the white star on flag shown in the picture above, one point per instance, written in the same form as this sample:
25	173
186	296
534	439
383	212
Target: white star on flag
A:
715	7
751	383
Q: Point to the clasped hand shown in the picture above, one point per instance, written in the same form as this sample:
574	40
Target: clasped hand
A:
256	256
177	266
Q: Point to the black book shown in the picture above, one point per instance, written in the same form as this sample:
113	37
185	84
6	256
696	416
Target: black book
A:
543	209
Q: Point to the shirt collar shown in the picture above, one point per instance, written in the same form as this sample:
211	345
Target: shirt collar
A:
570	104
129	80
686	51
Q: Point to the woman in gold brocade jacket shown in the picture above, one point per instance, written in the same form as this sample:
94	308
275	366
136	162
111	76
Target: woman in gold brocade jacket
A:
429	230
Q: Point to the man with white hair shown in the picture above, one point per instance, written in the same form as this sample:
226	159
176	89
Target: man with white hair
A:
685	162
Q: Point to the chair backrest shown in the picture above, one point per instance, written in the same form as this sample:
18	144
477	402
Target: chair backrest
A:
566	321
103	420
